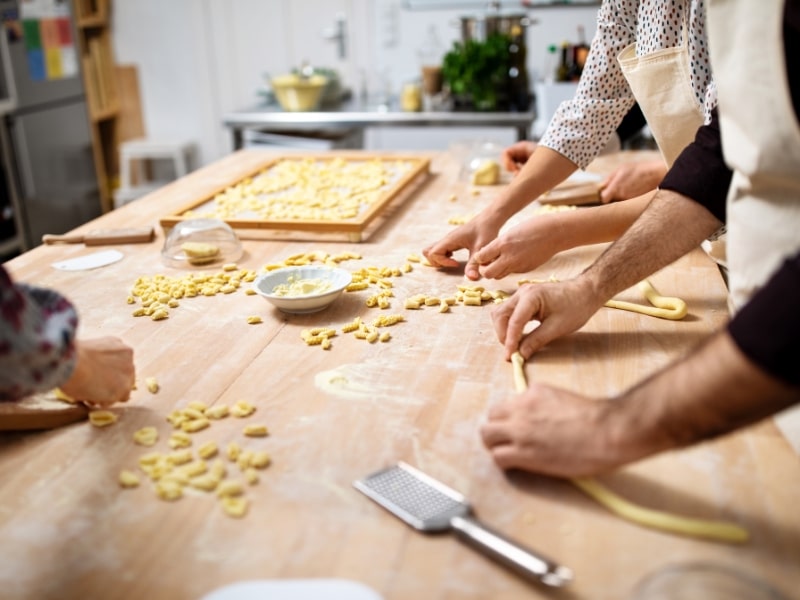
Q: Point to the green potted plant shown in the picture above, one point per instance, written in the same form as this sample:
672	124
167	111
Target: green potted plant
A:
476	72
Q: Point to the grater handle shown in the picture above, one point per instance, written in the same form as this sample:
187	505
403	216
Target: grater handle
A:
522	560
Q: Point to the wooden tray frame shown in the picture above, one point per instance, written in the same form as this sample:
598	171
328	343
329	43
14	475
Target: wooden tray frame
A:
354	227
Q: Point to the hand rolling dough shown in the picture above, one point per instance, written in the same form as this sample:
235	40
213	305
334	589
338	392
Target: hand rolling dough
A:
716	530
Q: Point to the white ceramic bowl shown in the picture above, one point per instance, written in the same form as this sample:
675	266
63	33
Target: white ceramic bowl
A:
333	281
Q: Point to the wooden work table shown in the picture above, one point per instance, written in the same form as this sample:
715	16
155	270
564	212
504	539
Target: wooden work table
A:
67	530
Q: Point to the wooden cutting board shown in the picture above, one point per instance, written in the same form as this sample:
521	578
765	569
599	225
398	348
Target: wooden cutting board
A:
40	411
581	188
575	195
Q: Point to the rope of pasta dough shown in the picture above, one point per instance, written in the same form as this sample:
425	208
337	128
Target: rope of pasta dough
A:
664	307
716	530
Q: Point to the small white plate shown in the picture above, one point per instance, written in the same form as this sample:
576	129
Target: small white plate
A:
337	279
89	261
295	589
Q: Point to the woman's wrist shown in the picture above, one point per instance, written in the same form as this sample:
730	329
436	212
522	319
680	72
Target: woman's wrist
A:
567	229
492	218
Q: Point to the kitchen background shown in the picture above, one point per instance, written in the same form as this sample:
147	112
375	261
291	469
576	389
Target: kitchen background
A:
172	71
200	59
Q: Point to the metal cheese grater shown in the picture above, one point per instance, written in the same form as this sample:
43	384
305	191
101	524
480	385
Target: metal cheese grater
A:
428	505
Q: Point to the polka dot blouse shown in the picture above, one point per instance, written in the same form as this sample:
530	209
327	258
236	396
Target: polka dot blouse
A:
581	127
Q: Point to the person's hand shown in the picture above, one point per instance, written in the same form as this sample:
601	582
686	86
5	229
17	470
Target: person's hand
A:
516	155
632	179
552	431
104	372
521	249
560	308
472	235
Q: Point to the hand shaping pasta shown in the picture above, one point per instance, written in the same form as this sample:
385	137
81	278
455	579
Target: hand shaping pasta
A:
516	155
523	248
632	179
104	372
510	453
552	304
472	236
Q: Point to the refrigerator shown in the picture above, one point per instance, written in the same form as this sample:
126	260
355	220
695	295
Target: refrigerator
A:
48	180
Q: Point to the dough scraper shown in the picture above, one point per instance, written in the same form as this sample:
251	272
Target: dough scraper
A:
430	506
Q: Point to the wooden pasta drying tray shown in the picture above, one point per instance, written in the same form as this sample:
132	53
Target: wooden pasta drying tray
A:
398	190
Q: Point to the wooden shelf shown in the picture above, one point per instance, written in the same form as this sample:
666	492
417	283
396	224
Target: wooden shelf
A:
110	112
92	22
91	13
102	96
99	72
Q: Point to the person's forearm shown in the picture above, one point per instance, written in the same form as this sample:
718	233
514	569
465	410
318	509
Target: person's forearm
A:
670	226
544	170
711	392
597	224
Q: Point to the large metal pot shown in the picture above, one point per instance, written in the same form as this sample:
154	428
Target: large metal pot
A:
478	27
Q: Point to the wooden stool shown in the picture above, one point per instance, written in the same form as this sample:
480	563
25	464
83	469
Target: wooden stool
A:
134	153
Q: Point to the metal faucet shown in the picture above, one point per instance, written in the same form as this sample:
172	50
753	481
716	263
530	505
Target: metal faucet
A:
338	33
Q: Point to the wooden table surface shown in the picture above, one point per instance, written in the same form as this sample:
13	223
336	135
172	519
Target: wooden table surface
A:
67	530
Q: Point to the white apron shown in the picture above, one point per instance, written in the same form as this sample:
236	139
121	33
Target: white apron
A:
761	142
661	82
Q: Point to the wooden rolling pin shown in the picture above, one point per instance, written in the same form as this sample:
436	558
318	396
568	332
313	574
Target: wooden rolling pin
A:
103	237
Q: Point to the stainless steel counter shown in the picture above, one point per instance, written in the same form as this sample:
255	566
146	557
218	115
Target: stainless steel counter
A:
355	115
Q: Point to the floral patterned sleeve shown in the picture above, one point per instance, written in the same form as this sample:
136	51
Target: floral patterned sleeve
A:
37	333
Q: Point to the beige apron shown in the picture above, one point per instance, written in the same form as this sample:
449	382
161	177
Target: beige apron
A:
761	142
661	82
760	139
